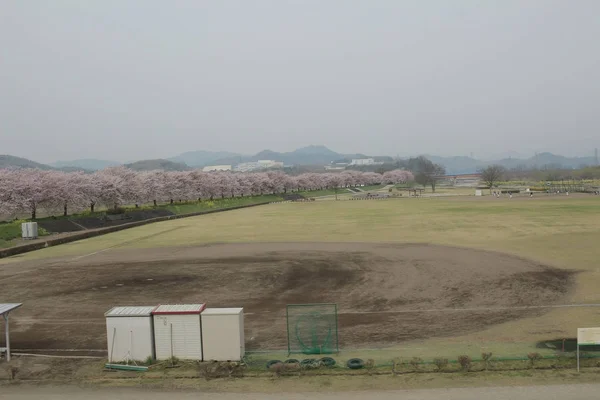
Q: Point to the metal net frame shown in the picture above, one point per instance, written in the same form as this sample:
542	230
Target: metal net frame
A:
312	328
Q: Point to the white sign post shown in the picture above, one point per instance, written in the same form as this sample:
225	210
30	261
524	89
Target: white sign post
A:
587	337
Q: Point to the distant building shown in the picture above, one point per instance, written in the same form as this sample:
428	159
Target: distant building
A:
258	165
270	164
211	168
362	161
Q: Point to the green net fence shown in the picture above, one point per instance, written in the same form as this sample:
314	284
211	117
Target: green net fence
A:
312	328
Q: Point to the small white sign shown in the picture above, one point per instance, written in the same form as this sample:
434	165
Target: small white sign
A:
478	192
588	336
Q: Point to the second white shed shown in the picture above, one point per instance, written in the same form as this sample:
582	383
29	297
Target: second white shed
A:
178	331
129	333
223	334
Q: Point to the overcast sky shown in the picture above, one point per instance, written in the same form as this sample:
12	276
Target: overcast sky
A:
125	80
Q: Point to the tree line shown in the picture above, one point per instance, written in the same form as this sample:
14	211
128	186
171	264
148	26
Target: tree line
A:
25	191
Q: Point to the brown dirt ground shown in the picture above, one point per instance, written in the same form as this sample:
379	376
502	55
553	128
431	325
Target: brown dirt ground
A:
377	288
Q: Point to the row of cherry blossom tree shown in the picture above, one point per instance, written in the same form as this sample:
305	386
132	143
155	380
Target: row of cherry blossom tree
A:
25	191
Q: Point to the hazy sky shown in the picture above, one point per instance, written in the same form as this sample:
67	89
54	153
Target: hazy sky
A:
125	80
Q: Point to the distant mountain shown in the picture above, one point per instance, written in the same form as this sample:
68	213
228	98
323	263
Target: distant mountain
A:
309	155
159	164
201	158
548	159
7	161
86	164
313	150
468	165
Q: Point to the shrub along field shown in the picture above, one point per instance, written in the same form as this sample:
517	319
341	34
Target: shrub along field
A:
552	231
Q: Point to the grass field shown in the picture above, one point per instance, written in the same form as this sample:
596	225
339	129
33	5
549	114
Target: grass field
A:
9	231
562	232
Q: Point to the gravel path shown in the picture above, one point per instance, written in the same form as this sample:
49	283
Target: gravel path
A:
558	392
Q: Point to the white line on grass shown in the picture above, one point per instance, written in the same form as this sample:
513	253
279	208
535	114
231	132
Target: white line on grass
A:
128	242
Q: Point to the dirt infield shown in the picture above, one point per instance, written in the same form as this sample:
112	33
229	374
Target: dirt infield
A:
378	287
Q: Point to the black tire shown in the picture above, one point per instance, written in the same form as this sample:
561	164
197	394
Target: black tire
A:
308	361
327	361
272	362
291	361
355	363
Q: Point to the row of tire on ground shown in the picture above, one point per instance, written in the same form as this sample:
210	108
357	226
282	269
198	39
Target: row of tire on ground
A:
313	363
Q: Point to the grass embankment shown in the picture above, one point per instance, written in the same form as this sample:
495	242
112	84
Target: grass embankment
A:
218	204
324	192
9	231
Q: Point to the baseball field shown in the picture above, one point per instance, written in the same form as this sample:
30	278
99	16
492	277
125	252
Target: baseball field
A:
412	277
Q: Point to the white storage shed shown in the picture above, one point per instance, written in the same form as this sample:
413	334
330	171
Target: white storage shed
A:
223	334
29	230
129	333
178	331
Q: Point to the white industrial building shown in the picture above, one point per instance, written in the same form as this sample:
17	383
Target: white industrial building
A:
270	164
258	165
129	332
362	161
211	168
178	331
223	334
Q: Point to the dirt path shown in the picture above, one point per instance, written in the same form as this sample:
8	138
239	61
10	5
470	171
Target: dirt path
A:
571	392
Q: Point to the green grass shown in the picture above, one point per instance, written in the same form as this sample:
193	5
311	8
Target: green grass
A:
324	192
495	225
371	187
187	208
9	231
12	230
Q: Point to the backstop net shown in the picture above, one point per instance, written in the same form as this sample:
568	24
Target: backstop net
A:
312	328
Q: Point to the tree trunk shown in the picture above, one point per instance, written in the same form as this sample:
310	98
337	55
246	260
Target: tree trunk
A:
65	209
222	196
92	204
154	203
171	201
211	197
433	187
116	206
33	214
137	206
